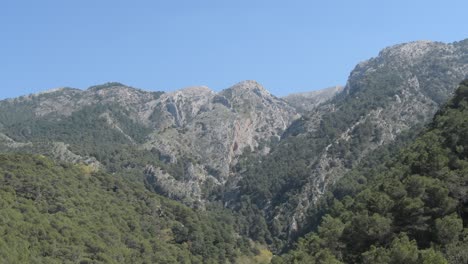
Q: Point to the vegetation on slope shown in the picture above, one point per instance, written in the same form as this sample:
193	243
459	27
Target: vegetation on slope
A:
413	209
88	134
61	213
386	101
275	181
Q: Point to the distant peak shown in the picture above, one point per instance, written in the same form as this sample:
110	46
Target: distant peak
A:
106	86
411	44
412	50
249	86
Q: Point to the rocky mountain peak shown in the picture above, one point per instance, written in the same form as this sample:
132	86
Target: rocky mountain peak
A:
415	62
411	50
385	97
247	87
114	90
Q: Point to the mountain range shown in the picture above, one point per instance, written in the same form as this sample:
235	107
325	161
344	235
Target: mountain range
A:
267	162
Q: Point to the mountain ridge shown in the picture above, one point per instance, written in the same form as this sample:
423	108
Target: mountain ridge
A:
268	159
193	127
384	97
390	213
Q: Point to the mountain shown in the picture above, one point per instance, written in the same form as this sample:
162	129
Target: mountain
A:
268	161
95	126
307	101
386	101
413	208
183	142
213	129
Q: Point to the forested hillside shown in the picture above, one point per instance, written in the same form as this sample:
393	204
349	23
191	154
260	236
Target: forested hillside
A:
63	213
411	209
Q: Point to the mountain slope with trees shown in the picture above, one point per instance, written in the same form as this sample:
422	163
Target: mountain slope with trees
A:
63	213
193	135
412	209
241	159
386	101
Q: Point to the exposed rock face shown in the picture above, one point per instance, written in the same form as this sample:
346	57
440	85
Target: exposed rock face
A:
60	151
308	101
401	88
196	126
6	141
188	190
214	128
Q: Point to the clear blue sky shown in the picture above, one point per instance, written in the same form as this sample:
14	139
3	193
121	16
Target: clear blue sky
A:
288	46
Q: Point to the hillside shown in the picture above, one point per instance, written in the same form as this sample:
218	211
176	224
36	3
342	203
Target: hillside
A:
411	209
386	101
62	213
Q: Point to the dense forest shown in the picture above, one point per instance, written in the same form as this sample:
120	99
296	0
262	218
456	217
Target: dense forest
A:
62	213
411	209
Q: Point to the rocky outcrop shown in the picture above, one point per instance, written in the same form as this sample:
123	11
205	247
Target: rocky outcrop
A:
7	142
215	128
60	151
189	190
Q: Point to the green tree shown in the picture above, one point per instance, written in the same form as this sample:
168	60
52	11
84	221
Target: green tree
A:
448	229
403	250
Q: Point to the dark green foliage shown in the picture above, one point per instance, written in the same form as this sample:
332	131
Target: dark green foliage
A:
85	127
412	210
88	133
52	213
276	179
